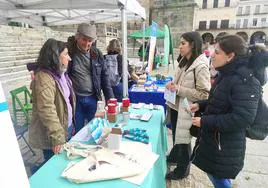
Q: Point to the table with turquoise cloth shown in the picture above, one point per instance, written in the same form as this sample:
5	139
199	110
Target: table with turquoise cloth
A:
49	175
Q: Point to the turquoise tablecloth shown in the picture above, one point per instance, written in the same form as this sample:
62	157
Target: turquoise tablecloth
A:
49	175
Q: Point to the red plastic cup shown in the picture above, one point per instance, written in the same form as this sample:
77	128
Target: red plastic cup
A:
113	101
111	108
125	102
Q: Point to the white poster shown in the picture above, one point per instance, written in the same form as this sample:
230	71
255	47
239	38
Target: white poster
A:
152	47
12	170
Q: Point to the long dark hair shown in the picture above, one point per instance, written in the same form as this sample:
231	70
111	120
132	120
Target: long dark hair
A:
50	53
195	41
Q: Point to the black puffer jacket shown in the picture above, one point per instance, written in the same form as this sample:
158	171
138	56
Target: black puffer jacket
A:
231	107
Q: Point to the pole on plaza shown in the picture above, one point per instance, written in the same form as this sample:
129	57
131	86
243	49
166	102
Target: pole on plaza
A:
124	45
143	41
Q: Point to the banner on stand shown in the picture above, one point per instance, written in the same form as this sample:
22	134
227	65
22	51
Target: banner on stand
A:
152	47
13	173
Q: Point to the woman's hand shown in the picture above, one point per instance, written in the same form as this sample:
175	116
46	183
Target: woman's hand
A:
168	85
171	86
196	121
57	149
194	107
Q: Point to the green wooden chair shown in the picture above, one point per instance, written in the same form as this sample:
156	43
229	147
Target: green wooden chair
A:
20	134
21	102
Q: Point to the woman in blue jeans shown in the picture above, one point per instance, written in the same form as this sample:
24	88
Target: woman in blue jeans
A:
229	110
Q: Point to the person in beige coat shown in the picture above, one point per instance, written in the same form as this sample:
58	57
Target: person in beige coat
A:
191	81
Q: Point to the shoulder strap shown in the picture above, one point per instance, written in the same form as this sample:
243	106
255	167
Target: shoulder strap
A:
194	79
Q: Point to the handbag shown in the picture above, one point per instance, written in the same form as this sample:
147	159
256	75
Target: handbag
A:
194	130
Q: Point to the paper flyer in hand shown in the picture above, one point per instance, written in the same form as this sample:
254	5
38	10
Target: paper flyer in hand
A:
170	96
186	106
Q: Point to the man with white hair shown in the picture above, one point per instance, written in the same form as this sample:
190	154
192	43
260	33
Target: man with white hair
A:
88	73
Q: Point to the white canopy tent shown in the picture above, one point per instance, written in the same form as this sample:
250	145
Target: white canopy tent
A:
63	12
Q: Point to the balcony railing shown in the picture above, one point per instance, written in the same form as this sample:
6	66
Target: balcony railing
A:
231	26
242	14
260	13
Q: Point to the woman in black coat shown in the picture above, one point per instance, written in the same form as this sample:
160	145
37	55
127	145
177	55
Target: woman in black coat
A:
229	110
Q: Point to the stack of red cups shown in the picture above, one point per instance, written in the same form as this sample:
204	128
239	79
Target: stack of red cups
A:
111	111
125	104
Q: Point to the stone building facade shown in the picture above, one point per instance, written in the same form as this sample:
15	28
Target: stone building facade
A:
214	15
212	18
253	15
177	14
247	18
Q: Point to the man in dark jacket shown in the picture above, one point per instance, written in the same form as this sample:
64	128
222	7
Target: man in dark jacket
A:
88	73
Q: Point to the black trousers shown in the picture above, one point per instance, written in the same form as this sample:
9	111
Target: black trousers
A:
174	117
180	153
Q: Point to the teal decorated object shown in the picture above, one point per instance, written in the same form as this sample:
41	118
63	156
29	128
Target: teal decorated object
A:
95	128
137	138
136	134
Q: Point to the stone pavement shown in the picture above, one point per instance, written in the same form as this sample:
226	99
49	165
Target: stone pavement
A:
253	175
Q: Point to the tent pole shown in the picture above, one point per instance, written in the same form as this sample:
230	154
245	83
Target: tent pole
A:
124	43
143	41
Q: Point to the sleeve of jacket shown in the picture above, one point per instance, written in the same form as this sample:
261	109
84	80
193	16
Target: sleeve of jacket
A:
120	66
46	110
105	82
244	101
202	105
201	90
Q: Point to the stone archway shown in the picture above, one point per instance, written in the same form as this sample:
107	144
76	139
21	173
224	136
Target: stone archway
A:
258	37
220	35
244	35
208	37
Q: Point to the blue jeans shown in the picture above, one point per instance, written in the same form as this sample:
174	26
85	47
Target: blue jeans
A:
220	183
86	107
118	92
